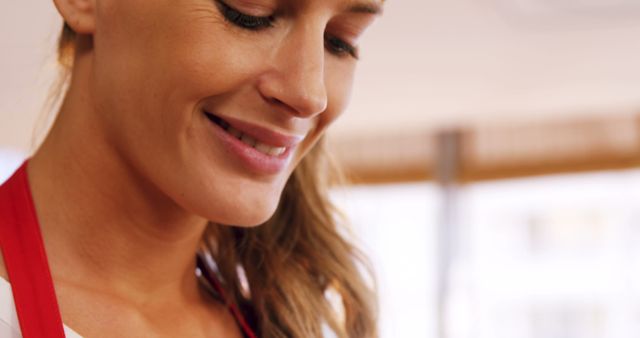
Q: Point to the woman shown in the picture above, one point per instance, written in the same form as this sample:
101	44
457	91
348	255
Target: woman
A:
190	128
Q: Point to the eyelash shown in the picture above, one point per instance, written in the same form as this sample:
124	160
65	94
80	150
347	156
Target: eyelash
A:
333	44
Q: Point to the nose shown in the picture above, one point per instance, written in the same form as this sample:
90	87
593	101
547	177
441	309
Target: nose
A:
295	78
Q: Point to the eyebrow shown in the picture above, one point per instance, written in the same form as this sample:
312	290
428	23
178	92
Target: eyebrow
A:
368	7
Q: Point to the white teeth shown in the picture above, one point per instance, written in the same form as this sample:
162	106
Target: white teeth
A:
261	147
277	151
269	150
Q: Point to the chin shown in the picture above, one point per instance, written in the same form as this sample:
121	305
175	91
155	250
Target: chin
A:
252	217
220	190
242	210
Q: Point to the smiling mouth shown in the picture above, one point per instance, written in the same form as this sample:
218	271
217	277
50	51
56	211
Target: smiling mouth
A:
244	138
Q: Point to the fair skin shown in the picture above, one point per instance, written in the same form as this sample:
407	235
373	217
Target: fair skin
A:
131	173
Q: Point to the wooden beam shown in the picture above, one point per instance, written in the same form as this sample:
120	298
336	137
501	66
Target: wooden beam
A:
498	151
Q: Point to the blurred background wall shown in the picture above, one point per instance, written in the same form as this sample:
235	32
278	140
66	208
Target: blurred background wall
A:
494	145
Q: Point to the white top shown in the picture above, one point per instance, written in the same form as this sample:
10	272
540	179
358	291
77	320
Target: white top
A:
9	325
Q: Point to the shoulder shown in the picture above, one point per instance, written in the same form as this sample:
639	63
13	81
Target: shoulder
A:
9	325
8	331
3	219
10	201
3	270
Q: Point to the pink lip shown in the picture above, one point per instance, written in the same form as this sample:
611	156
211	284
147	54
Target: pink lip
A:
263	135
251	158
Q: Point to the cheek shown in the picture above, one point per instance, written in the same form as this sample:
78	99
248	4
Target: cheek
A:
174	54
160	65
126	88
204	56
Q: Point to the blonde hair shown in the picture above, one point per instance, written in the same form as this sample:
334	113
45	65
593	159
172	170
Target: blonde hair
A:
302	274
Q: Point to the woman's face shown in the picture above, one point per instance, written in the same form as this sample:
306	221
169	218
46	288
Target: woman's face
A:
216	102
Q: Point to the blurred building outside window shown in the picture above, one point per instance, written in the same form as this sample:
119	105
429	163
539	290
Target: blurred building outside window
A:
546	257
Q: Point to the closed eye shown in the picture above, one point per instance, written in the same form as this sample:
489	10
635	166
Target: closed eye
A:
242	20
339	47
333	44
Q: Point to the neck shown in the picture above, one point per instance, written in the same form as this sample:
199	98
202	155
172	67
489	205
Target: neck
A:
103	224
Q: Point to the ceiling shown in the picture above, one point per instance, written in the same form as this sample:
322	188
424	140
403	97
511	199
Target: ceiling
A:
427	65
439	63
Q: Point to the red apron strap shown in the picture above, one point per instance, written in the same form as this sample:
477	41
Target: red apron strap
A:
26	261
247	331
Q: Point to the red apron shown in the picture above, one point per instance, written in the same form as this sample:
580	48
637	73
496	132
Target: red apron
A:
26	263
